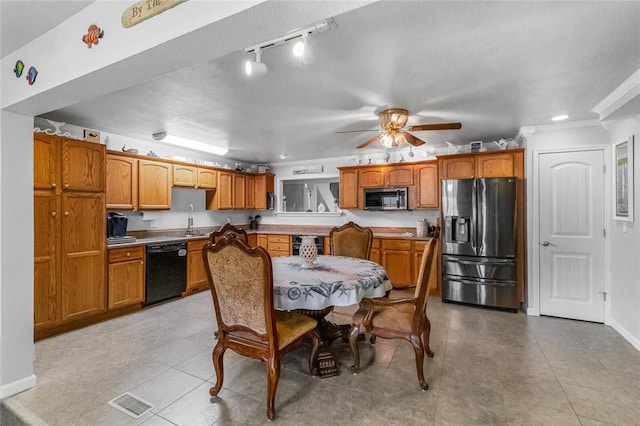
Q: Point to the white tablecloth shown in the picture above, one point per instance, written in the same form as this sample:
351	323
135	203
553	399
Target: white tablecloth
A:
334	281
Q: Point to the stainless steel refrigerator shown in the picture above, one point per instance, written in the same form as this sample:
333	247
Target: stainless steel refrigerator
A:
479	242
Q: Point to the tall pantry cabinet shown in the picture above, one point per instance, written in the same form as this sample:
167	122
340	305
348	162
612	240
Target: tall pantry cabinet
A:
69	231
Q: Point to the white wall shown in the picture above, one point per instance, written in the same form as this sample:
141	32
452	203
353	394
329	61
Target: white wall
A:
625	248
16	253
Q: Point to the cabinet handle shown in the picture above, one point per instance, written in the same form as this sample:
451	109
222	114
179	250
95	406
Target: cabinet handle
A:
66	213
54	214
66	186
53	185
128	254
142	262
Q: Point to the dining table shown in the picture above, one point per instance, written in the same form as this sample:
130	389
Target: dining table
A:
314	291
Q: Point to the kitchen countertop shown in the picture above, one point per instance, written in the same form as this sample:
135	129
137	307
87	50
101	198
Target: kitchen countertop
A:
283	230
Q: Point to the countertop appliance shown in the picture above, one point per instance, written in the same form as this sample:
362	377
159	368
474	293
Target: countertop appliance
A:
166	272
116	225
297	240
385	198
479	242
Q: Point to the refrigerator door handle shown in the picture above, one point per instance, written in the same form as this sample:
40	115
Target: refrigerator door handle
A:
474	217
477	281
472	262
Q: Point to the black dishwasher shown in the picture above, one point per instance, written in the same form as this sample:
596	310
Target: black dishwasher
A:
166	272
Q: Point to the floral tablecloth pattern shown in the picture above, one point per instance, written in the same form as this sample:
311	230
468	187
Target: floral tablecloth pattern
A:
334	281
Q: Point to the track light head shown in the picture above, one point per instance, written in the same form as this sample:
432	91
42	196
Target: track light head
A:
256	67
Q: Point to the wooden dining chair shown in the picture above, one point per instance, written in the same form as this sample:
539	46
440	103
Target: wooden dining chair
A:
401	318
225	229
241	280
351	240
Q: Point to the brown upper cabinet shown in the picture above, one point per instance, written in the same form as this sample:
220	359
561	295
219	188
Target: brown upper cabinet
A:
483	164
185	176
264	184
121	192
154	185
421	178
207	179
83	166
238	194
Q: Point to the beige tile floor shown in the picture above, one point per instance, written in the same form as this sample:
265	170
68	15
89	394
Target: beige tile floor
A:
490	368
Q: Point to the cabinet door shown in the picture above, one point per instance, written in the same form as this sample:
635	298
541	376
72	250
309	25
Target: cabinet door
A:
126	283
434	273
82	250
376	252
44	161
83	166
349	189
121	190
396	259
185	176
264	184
207	179
239	192
427	179
371	177
263	240
495	165
400	176
154	185
252	240
457	168
46	295
196	273
224	191
250	191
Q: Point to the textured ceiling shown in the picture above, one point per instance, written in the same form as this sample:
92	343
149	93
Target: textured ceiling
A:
493	66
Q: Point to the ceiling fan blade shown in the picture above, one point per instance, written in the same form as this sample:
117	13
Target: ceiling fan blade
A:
370	141
412	139
435	126
356	131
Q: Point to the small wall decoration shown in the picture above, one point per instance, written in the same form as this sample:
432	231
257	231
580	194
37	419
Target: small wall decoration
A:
146	9
623	169
31	75
93	35
475	146
18	68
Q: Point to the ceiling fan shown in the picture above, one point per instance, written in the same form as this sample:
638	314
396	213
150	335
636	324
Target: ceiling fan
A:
392	122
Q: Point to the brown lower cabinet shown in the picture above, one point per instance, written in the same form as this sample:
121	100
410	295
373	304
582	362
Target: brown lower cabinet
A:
196	274
279	245
126	277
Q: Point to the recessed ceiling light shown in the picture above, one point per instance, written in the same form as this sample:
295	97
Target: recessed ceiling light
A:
560	117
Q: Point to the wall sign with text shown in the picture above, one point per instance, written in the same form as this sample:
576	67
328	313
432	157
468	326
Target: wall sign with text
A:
146	9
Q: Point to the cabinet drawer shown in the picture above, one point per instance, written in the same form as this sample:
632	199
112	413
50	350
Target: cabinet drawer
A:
396	244
279	239
419	245
126	253
278	253
279	247
196	245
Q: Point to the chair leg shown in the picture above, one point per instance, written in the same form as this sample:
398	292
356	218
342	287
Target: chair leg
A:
426	333
418	349
217	357
273	376
353	342
313	355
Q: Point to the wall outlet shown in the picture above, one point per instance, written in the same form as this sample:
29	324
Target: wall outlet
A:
153	223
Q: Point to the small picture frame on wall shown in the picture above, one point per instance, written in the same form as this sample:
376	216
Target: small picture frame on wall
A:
91	136
475	146
623	180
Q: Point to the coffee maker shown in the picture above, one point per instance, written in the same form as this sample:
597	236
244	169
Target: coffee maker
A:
116	225
253	222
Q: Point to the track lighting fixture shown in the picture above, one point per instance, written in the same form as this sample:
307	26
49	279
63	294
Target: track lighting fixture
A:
299	36
188	143
252	68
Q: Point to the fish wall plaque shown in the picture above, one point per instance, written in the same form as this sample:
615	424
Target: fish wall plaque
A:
18	68
31	75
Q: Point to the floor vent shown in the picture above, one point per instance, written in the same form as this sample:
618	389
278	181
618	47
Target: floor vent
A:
131	405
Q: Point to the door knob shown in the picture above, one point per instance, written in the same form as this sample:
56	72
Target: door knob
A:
546	243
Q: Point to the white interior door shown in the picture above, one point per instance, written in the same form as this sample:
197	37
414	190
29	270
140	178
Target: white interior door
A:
572	234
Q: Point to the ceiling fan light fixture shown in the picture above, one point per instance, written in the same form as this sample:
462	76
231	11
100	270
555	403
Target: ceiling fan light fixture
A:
189	143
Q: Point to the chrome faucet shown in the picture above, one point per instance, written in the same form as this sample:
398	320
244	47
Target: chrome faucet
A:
190	220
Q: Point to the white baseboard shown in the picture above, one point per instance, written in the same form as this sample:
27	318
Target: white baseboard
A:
17	386
624	333
533	312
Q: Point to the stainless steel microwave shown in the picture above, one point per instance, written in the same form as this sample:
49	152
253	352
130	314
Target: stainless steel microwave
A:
385	198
